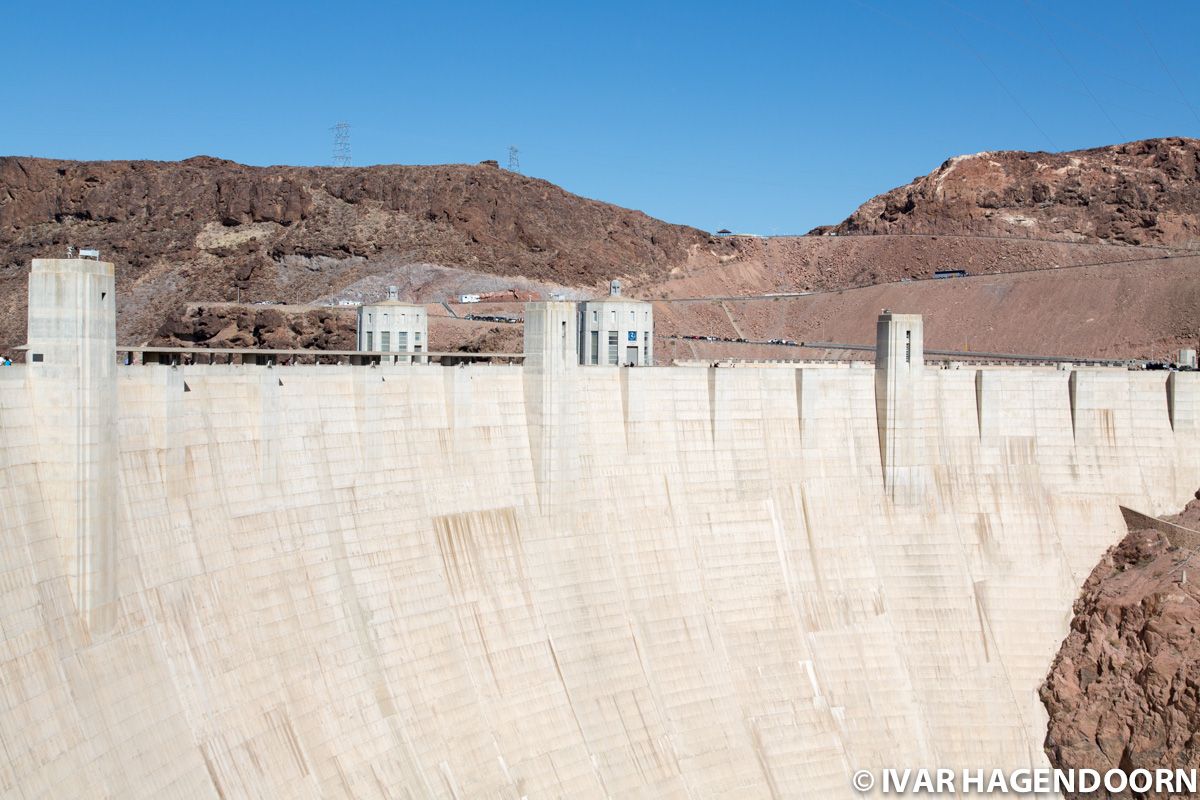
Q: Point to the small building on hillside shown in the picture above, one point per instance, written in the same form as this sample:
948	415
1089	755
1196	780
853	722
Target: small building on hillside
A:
616	331
390	326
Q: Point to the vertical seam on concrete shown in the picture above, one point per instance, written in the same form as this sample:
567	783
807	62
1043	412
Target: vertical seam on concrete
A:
979	404
800	404
1073	392
1171	387
712	403
624	381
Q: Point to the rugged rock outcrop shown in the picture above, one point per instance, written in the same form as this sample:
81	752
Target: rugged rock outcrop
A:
315	328
1145	192
274	328
1124	690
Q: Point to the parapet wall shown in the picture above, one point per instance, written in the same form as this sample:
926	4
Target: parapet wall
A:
676	582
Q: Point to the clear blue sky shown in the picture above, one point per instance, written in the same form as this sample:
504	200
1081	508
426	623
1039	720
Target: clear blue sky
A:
768	118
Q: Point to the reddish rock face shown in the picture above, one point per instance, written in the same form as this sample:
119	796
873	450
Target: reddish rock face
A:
1145	192
233	325
1124	690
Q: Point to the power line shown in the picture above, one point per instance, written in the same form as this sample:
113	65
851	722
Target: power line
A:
1163	64
1075	72
959	42
341	144
1011	95
1038	46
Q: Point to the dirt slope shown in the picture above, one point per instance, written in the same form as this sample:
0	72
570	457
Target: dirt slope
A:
1115	311
821	263
1124	690
1141	310
1145	192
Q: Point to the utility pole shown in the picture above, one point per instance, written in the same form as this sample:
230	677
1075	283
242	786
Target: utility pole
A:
341	144
514	158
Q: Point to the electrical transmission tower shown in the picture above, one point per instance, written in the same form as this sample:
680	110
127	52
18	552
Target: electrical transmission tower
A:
341	144
514	158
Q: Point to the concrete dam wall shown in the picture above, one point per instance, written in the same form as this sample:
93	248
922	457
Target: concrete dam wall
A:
545	581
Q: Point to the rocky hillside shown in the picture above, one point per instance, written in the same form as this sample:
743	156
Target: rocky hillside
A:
203	229
206	231
1145	192
1124	690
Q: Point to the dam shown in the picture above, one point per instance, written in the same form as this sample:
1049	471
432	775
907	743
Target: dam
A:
544	580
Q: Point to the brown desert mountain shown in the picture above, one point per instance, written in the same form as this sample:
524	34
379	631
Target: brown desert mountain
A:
1139	193
190	237
201	229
